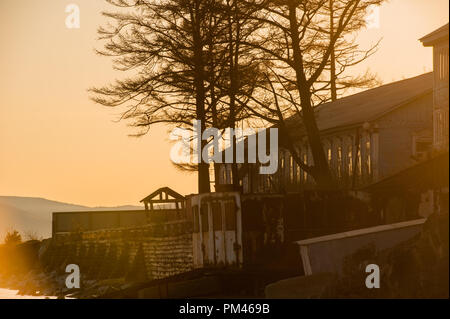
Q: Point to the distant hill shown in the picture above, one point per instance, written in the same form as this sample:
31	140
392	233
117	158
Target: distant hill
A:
30	215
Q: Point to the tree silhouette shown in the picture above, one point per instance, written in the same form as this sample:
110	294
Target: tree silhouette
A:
302	46
222	62
12	238
185	64
164	43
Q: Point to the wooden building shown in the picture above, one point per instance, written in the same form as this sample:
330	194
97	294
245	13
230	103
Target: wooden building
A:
366	137
438	40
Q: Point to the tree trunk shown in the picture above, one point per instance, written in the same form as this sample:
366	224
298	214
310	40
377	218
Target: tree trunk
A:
321	171
233	60
199	83
332	57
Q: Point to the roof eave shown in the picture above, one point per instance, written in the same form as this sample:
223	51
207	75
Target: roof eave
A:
438	35
349	126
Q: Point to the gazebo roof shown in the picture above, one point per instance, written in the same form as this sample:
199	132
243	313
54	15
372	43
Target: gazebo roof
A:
163	195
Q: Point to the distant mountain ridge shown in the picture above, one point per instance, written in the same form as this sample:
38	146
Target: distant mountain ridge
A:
33	215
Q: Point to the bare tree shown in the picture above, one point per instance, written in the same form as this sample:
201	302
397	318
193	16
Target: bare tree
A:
186	64
242	64
221	62
301	45
163	44
345	54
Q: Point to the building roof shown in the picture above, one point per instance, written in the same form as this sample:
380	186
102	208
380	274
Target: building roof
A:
368	105
430	174
435	36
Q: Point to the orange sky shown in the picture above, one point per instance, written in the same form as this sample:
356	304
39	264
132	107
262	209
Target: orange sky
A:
56	143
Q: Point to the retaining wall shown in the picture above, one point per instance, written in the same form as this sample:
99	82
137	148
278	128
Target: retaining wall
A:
153	251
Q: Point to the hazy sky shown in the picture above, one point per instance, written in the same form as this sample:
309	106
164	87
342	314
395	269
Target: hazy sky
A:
56	143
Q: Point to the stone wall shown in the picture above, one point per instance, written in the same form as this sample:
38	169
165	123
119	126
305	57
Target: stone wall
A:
153	251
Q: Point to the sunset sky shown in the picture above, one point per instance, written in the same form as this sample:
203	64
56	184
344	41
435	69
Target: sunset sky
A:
57	144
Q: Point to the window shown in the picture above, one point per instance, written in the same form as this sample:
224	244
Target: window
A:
440	126
245	185
350	160
259	182
229	174
291	169
212	174
329	155
224	174
368	159
305	174
359	163
339	162
298	173
443	64
262	182
422	146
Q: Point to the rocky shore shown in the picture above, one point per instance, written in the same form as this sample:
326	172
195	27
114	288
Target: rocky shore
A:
23	268
42	284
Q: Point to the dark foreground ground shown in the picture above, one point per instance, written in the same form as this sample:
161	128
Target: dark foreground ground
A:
417	268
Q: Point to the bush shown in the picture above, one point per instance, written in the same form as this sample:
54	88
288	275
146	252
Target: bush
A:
13	238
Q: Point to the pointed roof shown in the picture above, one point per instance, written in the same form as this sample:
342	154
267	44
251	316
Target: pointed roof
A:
163	194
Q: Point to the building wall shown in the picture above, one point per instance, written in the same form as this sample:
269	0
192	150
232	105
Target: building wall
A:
97	220
441	74
386	146
441	77
396	134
